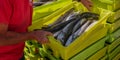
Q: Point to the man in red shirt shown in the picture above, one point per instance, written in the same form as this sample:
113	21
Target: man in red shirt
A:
15	18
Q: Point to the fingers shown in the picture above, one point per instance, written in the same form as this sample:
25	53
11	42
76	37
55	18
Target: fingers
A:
41	36
43	40
49	34
87	4
90	3
88	7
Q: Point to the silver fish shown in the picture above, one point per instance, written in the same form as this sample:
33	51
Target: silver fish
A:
79	24
66	31
72	15
78	32
56	33
61	37
58	26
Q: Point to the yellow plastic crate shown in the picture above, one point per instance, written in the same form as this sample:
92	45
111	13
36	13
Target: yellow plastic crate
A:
78	45
87	38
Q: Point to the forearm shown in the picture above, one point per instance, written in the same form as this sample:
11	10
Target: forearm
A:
14	38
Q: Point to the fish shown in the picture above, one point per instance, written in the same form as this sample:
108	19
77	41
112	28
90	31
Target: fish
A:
78	32
91	25
72	15
63	19
58	26
79	24
56	34
74	29
66	31
60	37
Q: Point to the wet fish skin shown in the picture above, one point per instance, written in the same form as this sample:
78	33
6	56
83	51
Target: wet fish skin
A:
82	29
72	15
87	15
79	24
61	25
60	37
78	32
69	26
66	31
58	26
56	34
70	40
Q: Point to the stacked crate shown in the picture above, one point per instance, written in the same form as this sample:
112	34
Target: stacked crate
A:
113	43
114	37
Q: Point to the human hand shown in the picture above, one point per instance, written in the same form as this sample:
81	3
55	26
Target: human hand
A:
87	4
41	36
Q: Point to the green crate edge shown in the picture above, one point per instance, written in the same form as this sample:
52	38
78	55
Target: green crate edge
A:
114	53
113	45
99	54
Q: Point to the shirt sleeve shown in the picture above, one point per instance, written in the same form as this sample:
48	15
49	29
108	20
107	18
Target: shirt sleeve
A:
5	11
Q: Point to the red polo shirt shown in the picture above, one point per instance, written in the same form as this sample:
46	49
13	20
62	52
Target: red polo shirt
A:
17	14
